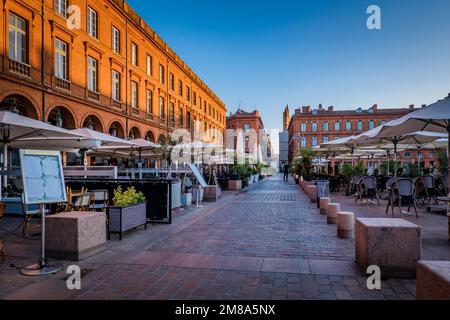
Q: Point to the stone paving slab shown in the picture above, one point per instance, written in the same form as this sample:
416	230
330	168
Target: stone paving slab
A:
269	242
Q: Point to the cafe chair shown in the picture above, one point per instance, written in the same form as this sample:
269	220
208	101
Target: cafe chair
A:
402	193
2	246
367	189
72	197
99	200
442	185
354	181
429	184
82	202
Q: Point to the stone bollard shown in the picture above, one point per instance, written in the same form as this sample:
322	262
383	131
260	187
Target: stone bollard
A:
433	280
308	190
448	214
345	224
332	211
313	193
324	205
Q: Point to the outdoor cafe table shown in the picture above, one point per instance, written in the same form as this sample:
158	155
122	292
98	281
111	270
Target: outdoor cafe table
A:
446	200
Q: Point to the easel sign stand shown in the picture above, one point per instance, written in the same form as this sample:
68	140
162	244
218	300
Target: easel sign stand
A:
43	183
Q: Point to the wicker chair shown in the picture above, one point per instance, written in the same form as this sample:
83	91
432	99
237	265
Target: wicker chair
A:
353	185
430	187
367	189
442	185
402	193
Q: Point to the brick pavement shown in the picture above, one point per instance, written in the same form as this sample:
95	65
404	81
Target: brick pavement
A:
266	243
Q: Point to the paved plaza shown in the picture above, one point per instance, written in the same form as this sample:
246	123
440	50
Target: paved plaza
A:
268	242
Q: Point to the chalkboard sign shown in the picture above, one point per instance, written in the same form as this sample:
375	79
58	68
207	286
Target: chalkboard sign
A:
198	175
43	178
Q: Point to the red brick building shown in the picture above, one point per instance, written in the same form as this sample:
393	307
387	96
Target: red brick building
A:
111	72
250	127
310	127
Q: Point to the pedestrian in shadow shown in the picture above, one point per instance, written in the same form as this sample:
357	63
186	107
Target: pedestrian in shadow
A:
286	172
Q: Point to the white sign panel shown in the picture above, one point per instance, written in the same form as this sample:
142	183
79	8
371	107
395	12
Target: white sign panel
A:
43	178
198	175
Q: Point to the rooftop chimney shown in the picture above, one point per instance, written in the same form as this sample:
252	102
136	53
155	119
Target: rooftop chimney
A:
330	108
424	106
375	107
306	109
320	107
411	106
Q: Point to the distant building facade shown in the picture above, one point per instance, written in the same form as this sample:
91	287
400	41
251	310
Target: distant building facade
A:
309	127
283	139
245	133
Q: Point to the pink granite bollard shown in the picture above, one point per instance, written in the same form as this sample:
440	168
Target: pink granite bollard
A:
392	244
433	280
75	235
313	193
448	214
308	190
345	224
332	211
324	205
234	185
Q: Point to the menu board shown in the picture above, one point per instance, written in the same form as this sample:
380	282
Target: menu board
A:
42	176
198	175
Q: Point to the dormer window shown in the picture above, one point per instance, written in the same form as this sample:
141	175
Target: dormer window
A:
359	110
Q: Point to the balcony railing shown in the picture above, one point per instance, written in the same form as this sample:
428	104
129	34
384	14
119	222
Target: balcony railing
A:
93	95
20	68
116	104
62	84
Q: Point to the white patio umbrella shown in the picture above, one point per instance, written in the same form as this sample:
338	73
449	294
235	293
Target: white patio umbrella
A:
105	139
136	148
23	132
379	136
433	118
339	145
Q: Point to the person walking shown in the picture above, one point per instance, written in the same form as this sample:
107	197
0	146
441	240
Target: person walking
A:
286	172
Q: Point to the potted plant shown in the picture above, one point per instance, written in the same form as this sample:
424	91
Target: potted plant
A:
244	173
129	211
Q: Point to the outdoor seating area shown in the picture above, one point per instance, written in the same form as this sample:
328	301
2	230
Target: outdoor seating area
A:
408	191
117	185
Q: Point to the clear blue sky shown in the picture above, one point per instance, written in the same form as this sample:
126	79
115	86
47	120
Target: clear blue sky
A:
272	53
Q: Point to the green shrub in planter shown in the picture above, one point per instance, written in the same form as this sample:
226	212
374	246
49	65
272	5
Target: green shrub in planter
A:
128	212
128	197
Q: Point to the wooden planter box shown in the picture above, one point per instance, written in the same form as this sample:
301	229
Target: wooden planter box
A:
122	219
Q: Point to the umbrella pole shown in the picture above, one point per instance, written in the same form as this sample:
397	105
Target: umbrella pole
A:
5	164
388	162
395	158
140	164
418	160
